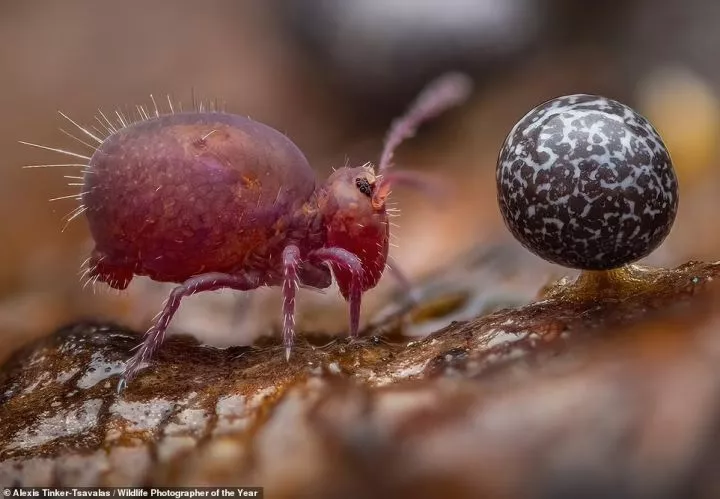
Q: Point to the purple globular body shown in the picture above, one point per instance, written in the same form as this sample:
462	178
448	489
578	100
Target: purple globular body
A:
212	200
183	194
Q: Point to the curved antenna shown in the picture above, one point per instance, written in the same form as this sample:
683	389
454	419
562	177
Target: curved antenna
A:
448	90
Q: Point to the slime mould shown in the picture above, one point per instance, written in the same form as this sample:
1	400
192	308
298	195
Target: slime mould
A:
586	182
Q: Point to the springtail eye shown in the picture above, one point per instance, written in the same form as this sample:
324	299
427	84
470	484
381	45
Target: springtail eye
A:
364	186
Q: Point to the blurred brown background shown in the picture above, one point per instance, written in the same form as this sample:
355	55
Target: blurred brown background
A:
332	74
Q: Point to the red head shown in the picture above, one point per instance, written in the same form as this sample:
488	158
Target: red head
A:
352	201
356	223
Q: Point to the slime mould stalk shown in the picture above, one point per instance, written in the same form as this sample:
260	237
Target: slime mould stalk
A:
586	182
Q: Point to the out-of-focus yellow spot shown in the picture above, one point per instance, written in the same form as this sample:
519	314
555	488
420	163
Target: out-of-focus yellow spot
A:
686	111
251	183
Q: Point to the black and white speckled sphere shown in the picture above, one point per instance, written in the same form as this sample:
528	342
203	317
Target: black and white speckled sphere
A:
586	182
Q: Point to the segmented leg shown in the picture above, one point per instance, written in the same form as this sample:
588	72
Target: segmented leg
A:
156	334
344	258
291	260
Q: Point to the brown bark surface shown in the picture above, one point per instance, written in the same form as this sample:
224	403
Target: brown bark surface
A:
557	398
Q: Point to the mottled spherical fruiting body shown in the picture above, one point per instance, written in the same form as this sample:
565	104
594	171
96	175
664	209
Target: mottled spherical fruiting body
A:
586	182
213	200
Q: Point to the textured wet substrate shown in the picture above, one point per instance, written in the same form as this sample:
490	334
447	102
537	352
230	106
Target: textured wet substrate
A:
552	399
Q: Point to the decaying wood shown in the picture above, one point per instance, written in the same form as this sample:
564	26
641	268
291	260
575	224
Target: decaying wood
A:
551	399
